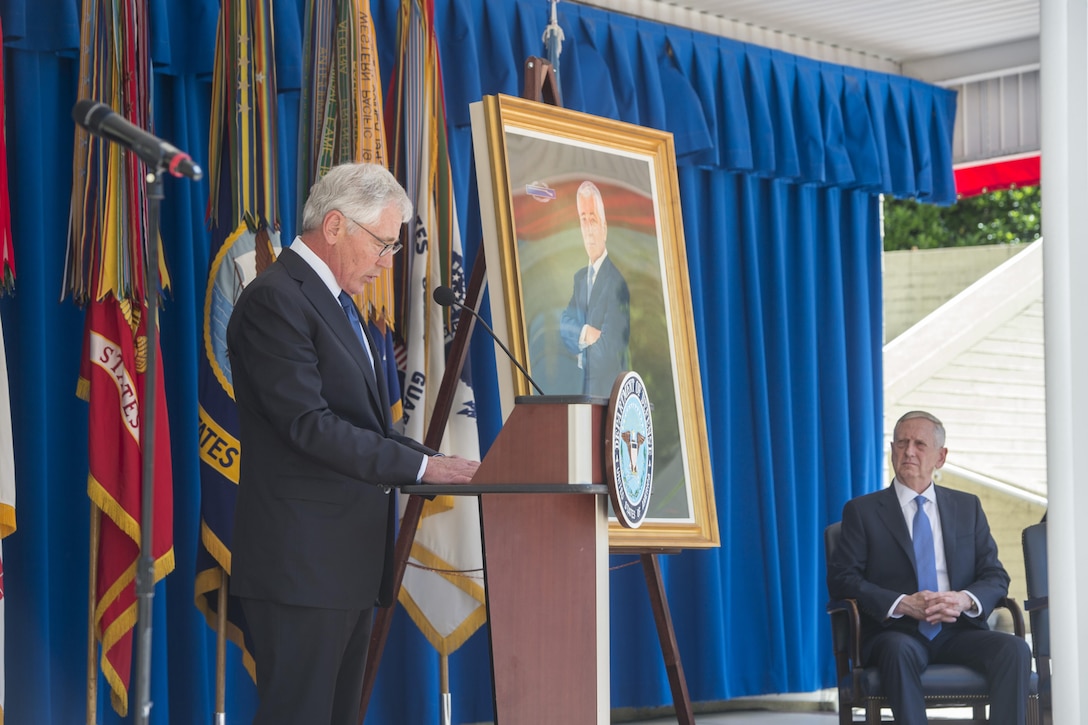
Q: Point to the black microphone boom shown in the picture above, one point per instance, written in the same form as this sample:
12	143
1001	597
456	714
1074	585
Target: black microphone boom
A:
100	119
448	298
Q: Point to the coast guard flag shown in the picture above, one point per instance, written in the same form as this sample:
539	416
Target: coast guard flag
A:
443	587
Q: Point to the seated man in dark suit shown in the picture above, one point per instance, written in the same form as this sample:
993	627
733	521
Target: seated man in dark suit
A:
923	567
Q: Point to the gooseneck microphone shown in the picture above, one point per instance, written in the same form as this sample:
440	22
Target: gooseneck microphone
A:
101	120
448	298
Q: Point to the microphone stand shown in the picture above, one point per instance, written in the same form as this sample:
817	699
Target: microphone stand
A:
445	297
145	566
158	157
500	344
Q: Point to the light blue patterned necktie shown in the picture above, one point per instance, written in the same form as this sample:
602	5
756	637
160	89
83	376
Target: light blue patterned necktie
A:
925	560
590	278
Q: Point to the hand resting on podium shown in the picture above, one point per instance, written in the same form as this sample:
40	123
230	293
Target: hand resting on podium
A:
449	469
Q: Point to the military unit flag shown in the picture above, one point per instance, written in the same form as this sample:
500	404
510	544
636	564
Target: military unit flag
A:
106	272
244	217
443	588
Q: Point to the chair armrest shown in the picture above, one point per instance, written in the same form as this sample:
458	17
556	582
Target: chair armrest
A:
845	634
1017	615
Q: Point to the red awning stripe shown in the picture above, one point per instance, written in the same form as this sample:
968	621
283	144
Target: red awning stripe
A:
1005	173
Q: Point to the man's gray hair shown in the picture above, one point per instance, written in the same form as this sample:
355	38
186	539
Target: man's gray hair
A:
588	188
360	192
938	426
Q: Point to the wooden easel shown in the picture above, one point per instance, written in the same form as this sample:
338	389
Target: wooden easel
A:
540	82
541	86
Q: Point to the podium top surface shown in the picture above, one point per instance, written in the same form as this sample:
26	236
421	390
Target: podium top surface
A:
472	489
560	400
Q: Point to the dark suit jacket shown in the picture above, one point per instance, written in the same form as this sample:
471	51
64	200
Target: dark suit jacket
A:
313	523
874	562
609	310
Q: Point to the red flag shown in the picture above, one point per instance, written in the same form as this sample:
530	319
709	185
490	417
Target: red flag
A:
112	380
7	450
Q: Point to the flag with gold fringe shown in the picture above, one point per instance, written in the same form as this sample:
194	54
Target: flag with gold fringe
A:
443	587
107	247
7	444
244	216
112	381
341	120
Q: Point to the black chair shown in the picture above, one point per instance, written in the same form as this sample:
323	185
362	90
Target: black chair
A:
1037	607
943	685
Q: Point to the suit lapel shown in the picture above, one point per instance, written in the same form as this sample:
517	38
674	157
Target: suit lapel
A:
379	372
891	514
946	507
330	310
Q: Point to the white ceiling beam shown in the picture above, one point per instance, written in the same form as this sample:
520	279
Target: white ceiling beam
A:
992	61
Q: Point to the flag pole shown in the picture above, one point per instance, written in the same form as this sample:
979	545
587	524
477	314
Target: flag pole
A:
444	688
221	652
414	508
92	578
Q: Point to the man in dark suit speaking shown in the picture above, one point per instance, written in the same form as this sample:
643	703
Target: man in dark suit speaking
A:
596	325
923	567
314	522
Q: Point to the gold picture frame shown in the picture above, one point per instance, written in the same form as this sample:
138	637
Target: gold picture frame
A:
531	161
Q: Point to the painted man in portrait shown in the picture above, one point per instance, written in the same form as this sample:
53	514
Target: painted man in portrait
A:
596	325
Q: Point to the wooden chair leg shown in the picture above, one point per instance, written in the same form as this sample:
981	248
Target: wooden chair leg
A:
846	713
872	712
979	713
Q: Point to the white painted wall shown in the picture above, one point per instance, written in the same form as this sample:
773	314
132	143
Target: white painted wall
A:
1064	72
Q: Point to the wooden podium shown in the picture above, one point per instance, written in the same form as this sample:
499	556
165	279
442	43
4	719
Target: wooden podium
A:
544	515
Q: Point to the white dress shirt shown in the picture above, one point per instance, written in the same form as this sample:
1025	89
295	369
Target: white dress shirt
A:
908	505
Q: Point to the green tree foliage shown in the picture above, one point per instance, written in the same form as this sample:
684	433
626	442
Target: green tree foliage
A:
1012	216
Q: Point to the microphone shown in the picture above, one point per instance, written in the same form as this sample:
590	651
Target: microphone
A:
100	119
448	298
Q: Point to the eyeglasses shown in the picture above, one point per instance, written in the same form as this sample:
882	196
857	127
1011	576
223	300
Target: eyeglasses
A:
387	247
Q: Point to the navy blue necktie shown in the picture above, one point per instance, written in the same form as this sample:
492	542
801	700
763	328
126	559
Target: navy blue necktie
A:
925	558
379	377
353	317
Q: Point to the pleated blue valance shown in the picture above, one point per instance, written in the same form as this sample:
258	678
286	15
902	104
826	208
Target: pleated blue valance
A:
781	161
729	105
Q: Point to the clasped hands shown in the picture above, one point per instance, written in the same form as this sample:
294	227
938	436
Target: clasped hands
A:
935	607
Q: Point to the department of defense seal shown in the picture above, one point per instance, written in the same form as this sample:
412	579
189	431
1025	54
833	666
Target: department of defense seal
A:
630	443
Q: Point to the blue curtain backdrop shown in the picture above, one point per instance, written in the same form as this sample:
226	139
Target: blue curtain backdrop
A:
781	163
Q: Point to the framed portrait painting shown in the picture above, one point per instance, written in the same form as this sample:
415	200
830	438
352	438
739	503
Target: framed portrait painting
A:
588	278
